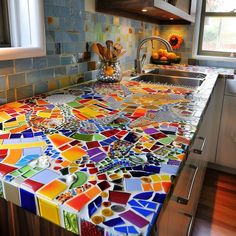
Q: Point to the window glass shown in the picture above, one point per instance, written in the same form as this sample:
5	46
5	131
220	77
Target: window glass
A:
218	34
220	5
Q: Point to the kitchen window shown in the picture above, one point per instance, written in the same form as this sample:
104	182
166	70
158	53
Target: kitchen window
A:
217	35
4	25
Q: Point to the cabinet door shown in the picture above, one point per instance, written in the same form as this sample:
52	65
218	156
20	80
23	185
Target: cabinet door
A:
209	127
226	152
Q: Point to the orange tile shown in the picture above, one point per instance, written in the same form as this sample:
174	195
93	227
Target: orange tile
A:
147	187
78	202
157	186
65	163
19	129
73	153
14	156
59	139
166	186
181	156
93	192
52	189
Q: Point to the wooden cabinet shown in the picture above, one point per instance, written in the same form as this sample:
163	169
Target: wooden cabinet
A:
177	217
157	11
16	221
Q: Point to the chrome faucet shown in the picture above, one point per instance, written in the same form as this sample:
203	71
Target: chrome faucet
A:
138	66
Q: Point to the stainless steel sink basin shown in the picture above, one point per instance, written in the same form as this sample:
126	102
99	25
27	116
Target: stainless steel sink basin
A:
178	73
172	80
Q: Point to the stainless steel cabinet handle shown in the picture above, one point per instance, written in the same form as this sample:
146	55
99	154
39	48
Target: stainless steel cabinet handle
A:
190	225
201	144
184	200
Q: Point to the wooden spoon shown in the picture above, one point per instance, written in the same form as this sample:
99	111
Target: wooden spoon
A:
121	54
96	50
101	50
109	44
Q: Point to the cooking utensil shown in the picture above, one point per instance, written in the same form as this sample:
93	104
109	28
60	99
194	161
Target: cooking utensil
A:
96	50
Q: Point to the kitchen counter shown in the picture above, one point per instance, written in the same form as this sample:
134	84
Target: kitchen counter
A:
99	159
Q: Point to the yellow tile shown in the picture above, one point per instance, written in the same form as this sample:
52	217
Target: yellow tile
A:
52	189
137	150
49	210
89	112
23	145
21	118
165	177
73	153
155	178
11	124
116	20
44	114
148	145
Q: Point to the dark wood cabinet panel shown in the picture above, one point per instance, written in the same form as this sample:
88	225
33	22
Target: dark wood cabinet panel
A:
15	221
158	11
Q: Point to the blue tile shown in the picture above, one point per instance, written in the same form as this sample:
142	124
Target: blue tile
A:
28	201
6	67
40	62
16	80
3	83
24	64
53	60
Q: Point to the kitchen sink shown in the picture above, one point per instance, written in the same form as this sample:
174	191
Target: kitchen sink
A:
178	73
172	80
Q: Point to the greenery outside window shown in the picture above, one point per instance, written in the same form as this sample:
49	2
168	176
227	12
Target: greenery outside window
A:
217	36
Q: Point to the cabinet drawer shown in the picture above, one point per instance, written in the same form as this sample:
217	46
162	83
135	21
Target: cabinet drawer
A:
188	187
175	223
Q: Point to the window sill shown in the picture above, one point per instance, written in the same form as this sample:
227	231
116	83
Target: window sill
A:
215	58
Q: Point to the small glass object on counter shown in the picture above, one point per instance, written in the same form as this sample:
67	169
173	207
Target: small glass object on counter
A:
109	71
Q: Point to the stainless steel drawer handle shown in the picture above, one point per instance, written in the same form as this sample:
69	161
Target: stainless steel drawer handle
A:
183	200
201	144
190	225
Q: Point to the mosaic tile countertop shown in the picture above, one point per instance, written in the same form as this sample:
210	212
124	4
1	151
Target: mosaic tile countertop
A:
98	159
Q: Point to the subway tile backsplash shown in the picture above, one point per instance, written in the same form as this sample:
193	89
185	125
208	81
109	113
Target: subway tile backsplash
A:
68	28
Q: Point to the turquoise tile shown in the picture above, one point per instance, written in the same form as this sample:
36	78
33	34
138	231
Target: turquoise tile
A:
60	71
24	92
66	60
25	64
83	67
6	67
40	62
40	75
3	97
71	69
16	80
41	87
3	83
90	75
53	60
11	96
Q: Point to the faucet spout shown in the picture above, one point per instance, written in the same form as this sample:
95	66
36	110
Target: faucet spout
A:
138	65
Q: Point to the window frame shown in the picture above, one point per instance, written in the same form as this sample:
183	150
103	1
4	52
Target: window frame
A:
37	31
4	24
198	53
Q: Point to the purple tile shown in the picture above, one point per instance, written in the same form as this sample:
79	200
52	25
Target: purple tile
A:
150	131
99	157
134	218
93	152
